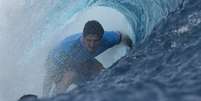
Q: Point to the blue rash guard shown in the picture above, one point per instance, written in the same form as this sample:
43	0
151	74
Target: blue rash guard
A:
71	54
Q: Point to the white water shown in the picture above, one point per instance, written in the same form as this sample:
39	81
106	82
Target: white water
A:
21	60
18	75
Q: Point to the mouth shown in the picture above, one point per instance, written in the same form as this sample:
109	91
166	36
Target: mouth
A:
92	49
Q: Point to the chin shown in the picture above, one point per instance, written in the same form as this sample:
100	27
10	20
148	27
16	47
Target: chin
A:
92	50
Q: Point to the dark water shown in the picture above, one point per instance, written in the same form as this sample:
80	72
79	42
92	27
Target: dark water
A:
165	67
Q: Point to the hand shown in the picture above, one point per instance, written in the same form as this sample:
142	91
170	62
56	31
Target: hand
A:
65	82
126	39
129	42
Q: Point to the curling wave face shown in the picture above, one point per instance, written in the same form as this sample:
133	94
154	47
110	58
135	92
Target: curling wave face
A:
37	25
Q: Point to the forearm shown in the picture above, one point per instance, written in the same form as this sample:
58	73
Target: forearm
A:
65	82
61	87
125	39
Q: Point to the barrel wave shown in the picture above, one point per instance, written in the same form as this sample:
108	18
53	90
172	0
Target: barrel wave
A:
163	66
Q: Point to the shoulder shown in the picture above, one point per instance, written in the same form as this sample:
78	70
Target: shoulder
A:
67	44
71	38
65	49
110	33
112	37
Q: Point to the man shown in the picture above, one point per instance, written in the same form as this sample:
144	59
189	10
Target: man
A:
72	61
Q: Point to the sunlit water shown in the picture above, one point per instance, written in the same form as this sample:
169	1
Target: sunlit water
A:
29	28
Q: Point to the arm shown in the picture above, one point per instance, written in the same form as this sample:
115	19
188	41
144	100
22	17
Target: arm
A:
51	78
126	39
99	66
91	68
54	75
65	82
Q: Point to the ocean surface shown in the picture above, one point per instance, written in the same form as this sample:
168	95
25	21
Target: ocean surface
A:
165	64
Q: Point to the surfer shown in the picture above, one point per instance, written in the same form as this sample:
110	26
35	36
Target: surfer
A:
73	60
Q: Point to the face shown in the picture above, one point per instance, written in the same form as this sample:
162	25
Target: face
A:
91	42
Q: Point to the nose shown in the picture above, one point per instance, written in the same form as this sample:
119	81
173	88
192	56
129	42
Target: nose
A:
92	44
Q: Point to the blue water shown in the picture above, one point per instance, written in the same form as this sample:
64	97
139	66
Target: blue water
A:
164	65
54	16
33	25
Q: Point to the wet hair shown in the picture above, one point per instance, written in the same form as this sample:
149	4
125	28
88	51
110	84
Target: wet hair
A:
93	27
28	97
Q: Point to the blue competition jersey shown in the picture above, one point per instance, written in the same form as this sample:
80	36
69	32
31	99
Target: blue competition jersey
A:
71	52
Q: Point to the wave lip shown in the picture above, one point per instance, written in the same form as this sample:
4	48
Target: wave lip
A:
142	15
